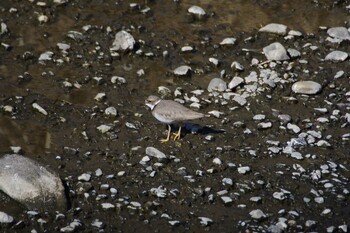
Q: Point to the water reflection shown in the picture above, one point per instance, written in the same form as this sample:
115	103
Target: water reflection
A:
32	138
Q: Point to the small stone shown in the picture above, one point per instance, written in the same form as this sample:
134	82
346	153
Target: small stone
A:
3	28
111	111
337	56
187	49
293	127
64	47
123	41
306	87
293	53
227	200
98	172
43	18
174	222
275	52
257	214
118	80
259	117
237	66
236	81
39	108
243	170
183	70
196	10
240	99
344	228
255	199
5	219
296	155
8	108
217	84
310	223
323	143
228	41
104	128
319	200
294	33
100	96
153	152
204	221
77	36
341	33
216	113
264	125
214	61
98	224
285	118
279	29
217	161
46	56
227	181
339	74
84	177
108	206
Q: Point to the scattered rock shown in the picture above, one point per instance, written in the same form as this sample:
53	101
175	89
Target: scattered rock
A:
306	87
274	28
275	52
182	70
337	56
235	82
196	10
153	152
217	84
123	41
257	214
341	33
5	219
228	41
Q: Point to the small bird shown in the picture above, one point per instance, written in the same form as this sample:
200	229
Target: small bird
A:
169	111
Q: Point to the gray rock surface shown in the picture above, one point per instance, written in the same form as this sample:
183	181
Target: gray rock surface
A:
31	184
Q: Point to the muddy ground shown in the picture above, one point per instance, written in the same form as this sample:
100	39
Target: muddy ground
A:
67	140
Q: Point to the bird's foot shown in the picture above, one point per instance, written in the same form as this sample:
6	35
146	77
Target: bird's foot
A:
164	140
177	135
168	137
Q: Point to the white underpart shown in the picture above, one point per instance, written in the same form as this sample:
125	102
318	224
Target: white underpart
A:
151	106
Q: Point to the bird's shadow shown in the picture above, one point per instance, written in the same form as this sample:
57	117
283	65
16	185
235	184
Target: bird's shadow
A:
191	128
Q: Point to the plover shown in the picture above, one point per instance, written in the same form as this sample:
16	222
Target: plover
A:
169	112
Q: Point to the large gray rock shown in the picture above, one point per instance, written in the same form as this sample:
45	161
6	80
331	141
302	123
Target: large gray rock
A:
31	184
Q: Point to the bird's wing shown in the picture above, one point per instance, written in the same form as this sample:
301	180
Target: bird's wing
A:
176	111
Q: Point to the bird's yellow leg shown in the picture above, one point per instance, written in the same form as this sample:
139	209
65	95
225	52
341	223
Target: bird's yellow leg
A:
177	135
168	137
